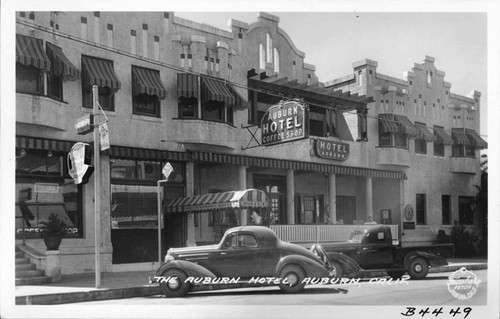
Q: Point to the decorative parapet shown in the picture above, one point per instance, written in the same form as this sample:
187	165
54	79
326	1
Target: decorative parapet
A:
341	80
222	45
429	59
408	74
440	73
202	27
268	16
364	62
310	67
447	84
238	24
391	79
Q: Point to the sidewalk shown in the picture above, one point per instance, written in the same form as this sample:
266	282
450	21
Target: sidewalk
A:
117	285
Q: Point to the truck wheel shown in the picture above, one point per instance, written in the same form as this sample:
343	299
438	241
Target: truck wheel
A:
174	284
419	268
292	278
336	270
395	274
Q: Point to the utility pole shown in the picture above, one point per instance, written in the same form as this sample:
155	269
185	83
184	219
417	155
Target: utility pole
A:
97	190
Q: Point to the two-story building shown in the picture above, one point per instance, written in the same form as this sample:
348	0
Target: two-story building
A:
197	97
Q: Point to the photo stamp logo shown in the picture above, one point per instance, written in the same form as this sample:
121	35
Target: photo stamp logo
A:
463	284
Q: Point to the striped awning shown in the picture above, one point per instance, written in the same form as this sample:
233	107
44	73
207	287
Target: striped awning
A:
407	127
146	154
99	72
60	64
460	137
249	198
147	81
388	123
441	136
476	140
424	132
29	51
264	162
187	85
216	90
45	144
240	102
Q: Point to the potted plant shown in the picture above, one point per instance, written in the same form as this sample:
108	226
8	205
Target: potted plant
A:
52	231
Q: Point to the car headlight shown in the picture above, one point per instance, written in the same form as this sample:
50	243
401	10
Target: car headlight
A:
169	257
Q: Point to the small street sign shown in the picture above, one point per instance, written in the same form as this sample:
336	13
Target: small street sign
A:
167	169
104	136
85	124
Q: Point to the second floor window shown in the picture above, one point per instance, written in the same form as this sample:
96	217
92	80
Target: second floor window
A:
99	72
29	79
390	132
206	98
147	91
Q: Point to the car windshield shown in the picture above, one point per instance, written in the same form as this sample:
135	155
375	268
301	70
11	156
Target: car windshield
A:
357	236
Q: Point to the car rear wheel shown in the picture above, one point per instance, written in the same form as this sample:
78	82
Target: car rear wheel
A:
419	268
292	278
174	284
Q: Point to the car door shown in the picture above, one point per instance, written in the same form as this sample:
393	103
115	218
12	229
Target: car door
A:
376	250
238	257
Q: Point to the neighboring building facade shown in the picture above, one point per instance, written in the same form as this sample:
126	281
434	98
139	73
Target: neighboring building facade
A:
192	95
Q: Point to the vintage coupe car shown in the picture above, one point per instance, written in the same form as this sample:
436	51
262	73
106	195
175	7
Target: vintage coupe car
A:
244	253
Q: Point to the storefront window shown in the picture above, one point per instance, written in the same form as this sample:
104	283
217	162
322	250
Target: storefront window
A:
42	188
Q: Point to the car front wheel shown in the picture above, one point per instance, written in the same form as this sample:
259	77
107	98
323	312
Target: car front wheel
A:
419	268
292	278
174	283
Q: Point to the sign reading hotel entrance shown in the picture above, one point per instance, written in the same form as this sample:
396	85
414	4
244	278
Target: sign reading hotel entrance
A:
334	150
79	167
284	122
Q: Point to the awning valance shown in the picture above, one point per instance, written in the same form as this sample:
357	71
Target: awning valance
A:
249	198
146	154
60	65
215	90
148	81
187	85
441	136
99	72
460	137
407	127
424	132
476	140
29	51
45	144
388	123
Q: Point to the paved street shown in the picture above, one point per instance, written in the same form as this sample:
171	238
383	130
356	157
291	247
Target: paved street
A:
431	291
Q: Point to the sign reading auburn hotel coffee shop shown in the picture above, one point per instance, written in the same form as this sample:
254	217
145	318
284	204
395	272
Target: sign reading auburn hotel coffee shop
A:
284	122
334	150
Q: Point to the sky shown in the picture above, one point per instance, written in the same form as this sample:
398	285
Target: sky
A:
332	41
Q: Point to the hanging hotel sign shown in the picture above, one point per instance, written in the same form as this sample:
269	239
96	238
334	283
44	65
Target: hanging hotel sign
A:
333	150
284	122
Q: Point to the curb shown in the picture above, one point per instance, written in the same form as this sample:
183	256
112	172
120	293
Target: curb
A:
121	293
94	295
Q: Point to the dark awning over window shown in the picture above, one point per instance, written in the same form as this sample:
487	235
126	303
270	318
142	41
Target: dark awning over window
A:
187	85
476	140
441	136
215	90
388	123
147	81
99	72
240	102
60	64
460	137
424	132
29	51
407	127
36	143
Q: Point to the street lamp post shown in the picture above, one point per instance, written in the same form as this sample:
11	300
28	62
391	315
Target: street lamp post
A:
97	191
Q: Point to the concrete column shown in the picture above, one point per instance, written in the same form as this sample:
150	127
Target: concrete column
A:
332	198
369	198
242	184
190	240
290	196
53	265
